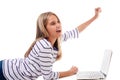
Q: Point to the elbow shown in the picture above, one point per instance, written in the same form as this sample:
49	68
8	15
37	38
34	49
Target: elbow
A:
51	76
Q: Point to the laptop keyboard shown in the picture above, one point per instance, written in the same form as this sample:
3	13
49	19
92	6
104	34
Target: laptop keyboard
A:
89	75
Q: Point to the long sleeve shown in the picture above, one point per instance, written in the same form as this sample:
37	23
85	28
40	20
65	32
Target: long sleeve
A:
47	57
46	67
70	34
38	63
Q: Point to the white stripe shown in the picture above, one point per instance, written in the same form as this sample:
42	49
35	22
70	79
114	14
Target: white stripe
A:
33	68
70	34
6	70
12	70
43	61
46	49
15	70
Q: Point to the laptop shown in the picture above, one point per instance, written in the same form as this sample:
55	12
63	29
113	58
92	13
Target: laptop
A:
97	75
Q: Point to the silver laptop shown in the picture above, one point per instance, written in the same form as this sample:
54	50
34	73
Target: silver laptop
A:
97	75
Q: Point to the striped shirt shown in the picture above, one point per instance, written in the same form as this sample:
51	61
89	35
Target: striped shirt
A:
38	63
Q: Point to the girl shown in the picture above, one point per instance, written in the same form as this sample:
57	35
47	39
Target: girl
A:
43	52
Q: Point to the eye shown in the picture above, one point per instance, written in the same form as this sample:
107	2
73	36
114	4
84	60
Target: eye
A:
58	21
52	23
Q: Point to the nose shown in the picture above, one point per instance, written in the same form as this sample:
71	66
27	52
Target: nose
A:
58	25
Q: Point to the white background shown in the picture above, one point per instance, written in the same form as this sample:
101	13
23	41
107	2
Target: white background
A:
18	29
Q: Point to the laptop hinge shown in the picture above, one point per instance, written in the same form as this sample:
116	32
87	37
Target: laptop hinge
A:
103	73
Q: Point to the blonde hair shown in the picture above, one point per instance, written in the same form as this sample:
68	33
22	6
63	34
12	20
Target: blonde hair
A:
41	32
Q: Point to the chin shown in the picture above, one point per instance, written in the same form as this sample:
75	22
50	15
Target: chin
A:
58	35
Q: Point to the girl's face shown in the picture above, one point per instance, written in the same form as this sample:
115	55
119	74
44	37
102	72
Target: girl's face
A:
53	27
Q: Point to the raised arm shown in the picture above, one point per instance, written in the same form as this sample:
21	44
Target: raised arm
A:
75	32
87	23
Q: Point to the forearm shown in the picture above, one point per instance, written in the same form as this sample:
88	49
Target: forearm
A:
70	72
87	23
64	74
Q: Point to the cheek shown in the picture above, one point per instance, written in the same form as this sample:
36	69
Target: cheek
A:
51	30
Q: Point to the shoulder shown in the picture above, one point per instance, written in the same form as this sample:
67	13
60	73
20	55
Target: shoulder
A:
43	44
